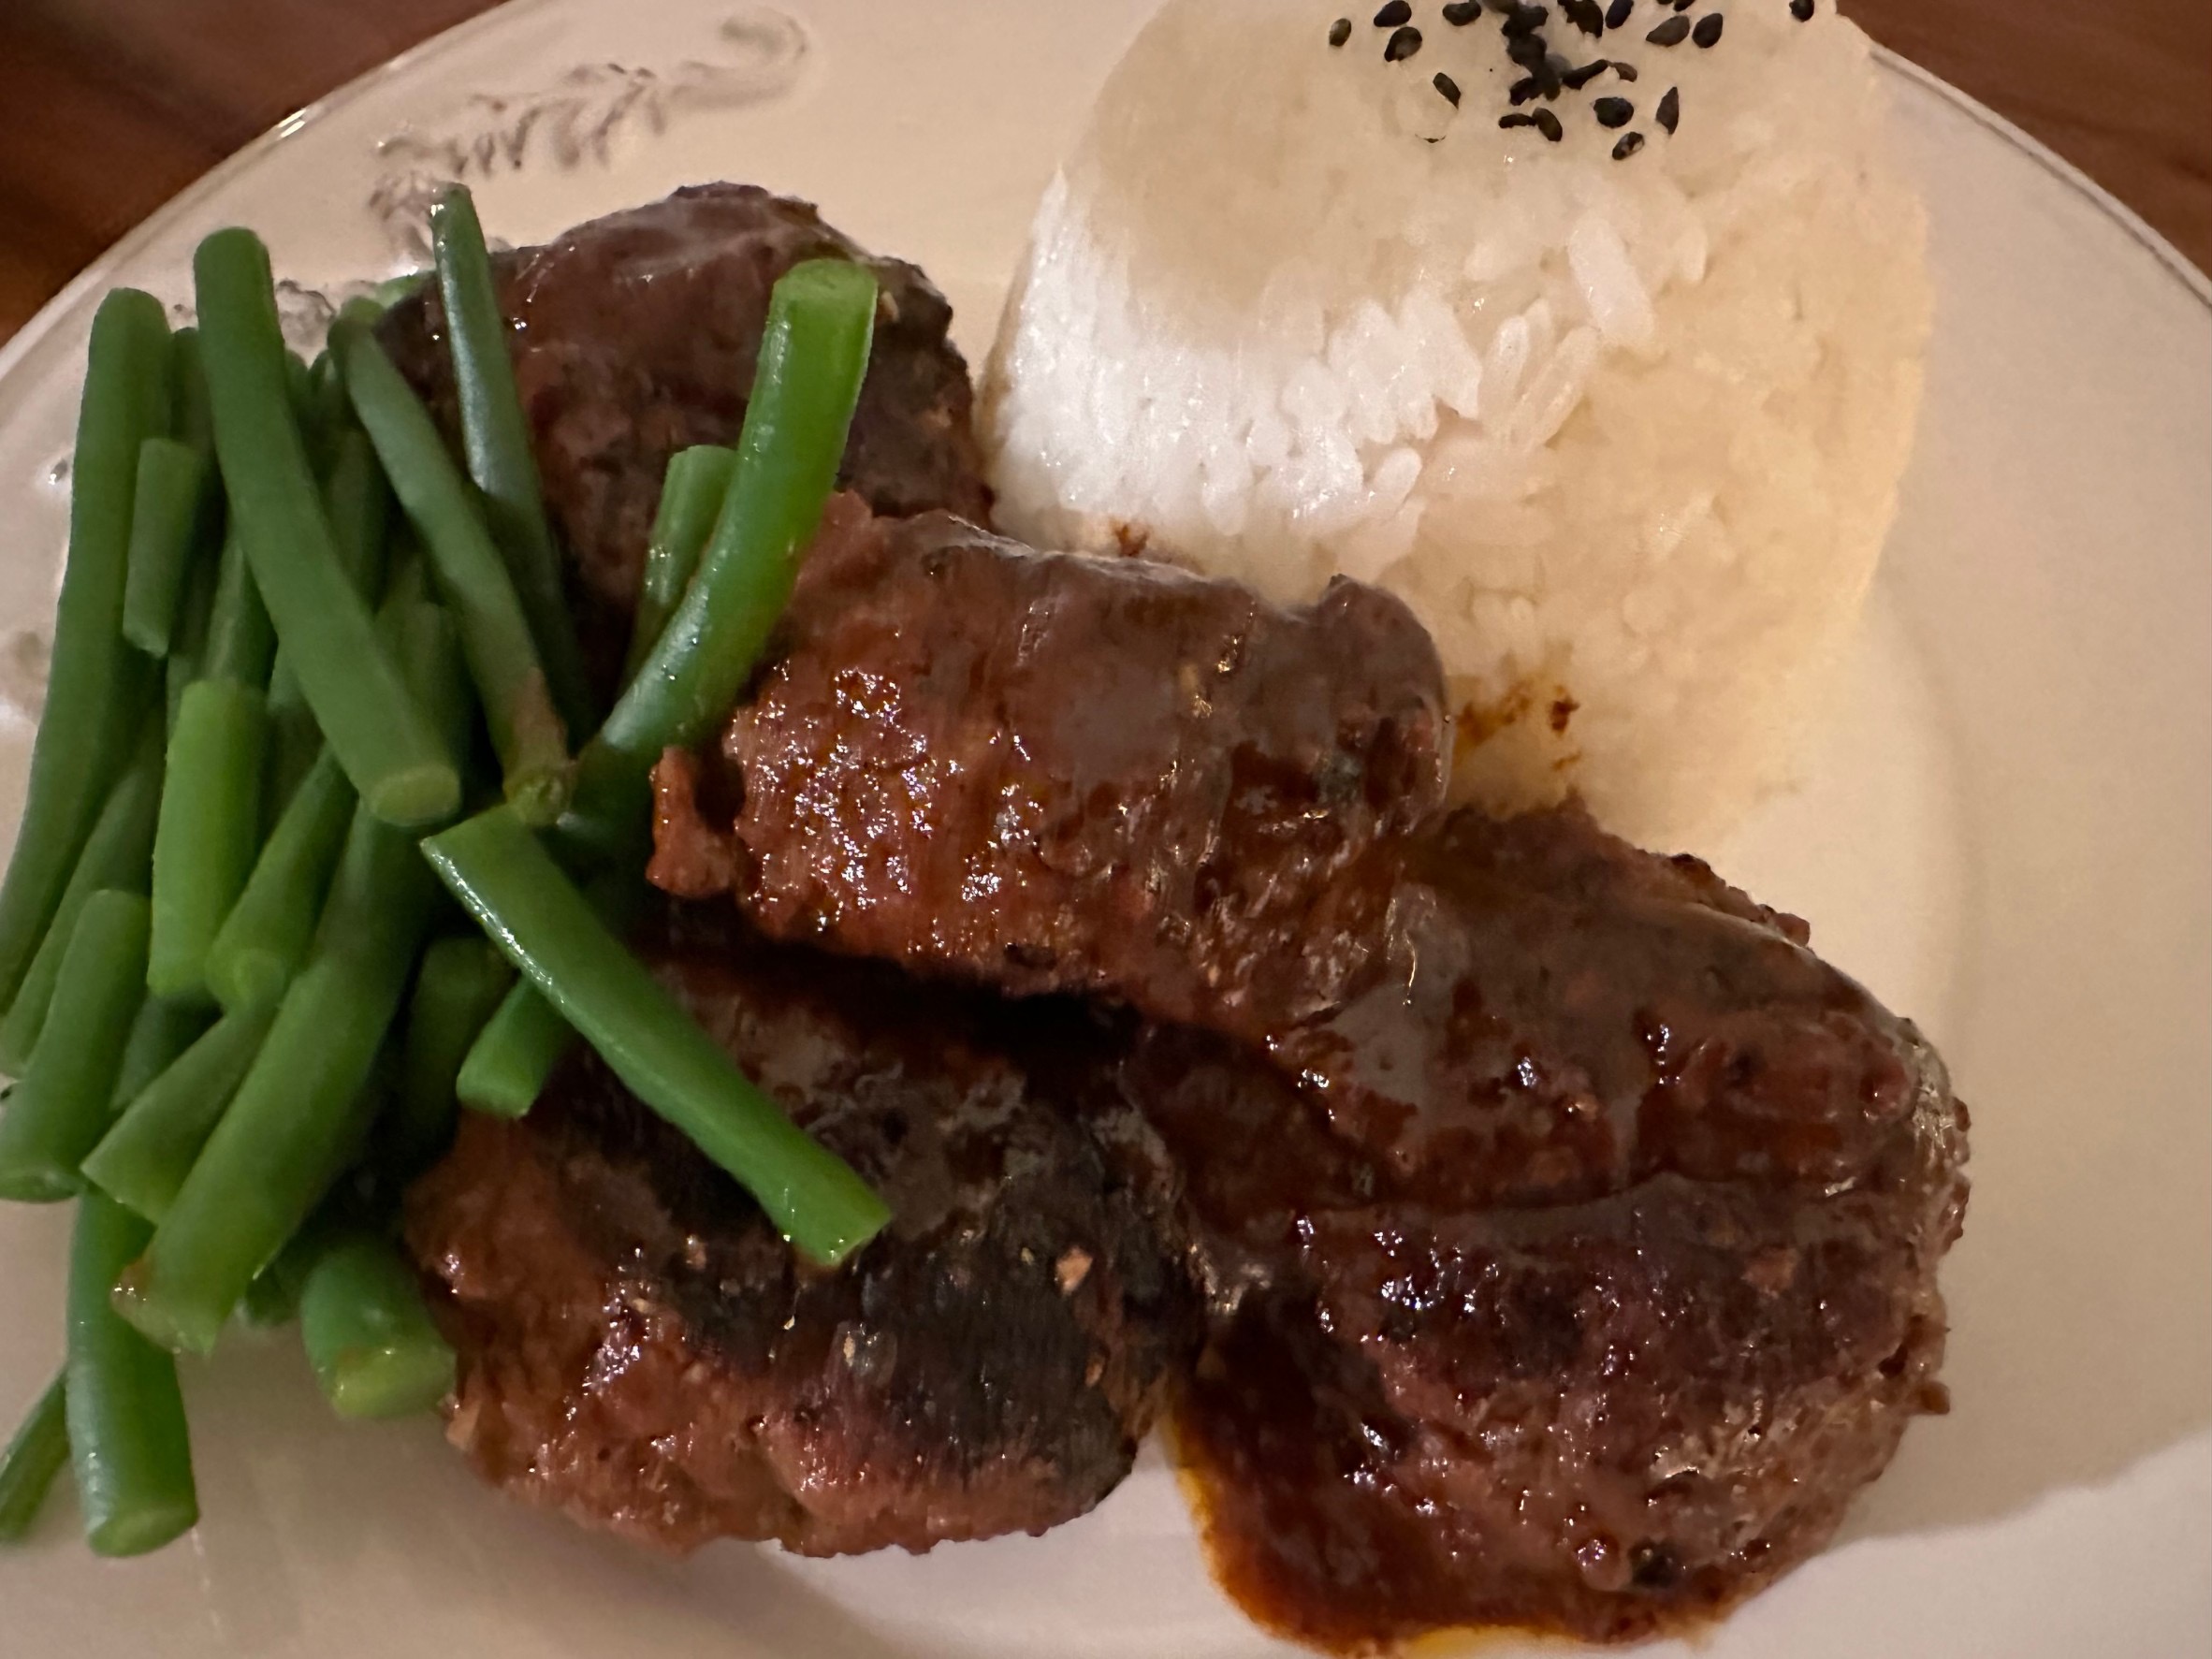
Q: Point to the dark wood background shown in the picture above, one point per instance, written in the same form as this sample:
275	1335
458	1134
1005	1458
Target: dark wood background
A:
108	108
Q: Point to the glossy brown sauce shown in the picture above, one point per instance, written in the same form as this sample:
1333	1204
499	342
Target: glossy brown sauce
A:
1281	1437
1586	1278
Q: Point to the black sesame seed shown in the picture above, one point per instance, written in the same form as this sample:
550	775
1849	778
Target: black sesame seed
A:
1576	80
1548	123
1708	31
1616	15
1626	71
1514	121
1670	110
1339	31
1586	15
1630	143
1404	44
1673	32
1448	87
1392	14
1523	91
1683	5
1525	20
1460	13
1801	10
1613	111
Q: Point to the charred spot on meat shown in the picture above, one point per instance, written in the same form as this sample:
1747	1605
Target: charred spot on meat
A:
640	1349
636	335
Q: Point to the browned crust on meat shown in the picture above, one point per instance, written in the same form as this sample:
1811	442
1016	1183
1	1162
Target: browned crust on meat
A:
641	1350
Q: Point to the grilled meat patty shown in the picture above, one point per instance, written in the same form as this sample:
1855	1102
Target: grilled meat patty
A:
636	335
1508	1364
1058	772
639	1348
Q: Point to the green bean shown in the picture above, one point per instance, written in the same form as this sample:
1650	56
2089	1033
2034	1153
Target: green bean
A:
426	639
461	981
265	938
128	1439
210	829
369	1337
332	412
162	1031
814	354
141	1162
495	436
195	423
386	742
39	1454
242	643
692	495
188	640
93	690
168	512
494	865
213	806
526	730
60	1105
295	744
297	1118
508	1065
360	505
116	854
273	1298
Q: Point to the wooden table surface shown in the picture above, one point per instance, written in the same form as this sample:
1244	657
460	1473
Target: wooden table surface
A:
108	108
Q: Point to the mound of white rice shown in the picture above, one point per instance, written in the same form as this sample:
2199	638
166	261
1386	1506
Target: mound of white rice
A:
1625	433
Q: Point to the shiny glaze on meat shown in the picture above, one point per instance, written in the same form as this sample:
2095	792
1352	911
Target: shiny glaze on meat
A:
1604	1416
1542	1013
1057	772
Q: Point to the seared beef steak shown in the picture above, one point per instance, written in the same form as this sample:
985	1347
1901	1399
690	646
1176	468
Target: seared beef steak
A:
1058	771
636	335
639	1348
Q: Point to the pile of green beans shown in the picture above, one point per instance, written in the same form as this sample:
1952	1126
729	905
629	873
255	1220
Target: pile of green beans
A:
237	1009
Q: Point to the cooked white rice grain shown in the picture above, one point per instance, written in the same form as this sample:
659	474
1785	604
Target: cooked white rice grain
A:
1626	433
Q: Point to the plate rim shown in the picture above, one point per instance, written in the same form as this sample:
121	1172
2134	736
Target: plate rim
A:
50	318
60	334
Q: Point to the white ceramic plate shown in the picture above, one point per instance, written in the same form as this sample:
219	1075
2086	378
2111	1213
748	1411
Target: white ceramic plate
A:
2005	828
